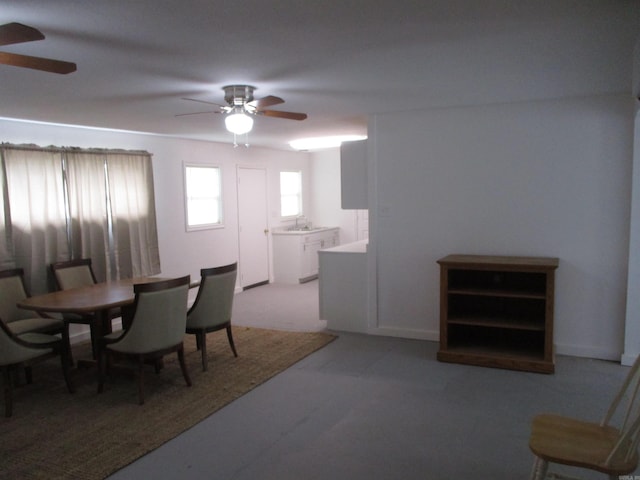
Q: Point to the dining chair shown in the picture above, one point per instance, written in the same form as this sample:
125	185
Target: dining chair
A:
157	328
79	273
213	306
19	320
609	447
22	351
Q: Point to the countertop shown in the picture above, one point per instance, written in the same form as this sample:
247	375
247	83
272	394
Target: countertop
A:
284	231
355	247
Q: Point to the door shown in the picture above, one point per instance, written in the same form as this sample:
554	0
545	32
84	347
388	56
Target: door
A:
253	226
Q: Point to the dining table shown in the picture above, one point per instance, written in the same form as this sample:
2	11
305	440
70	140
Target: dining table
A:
95	300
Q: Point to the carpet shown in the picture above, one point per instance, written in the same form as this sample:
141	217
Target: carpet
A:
53	434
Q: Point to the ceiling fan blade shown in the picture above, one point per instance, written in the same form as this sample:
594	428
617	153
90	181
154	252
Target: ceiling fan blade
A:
203	101
11	33
37	63
196	113
287	115
265	102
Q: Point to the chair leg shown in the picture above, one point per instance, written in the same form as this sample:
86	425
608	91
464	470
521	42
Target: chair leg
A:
66	343
140	379
64	358
183	365
230	337
203	350
8	397
539	470
95	349
102	360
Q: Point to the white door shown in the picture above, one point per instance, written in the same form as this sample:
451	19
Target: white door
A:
253	226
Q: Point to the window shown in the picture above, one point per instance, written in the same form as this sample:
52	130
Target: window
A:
290	194
203	195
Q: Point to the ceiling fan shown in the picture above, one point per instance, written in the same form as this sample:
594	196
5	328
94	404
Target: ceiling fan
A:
12	33
241	105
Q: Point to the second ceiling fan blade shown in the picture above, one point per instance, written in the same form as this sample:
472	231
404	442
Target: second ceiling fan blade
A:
37	63
265	102
287	115
196	113
202	101
11	33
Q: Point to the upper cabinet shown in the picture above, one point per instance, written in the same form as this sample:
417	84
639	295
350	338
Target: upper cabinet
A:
353	171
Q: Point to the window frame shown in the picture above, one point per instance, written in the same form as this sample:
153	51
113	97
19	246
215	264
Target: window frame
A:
300	195
219	199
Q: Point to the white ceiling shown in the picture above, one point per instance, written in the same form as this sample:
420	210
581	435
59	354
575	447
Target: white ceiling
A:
337	61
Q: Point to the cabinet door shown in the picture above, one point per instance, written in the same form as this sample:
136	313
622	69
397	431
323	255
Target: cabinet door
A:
310	258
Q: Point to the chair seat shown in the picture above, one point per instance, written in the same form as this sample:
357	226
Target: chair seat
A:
577	443
38	338
35	324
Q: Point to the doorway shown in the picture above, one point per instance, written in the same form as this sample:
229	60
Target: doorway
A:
253	226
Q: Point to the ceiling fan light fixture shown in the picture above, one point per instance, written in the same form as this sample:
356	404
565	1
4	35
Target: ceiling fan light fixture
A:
238	123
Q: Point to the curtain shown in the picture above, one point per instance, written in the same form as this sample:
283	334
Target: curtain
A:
85	173
133	215
35	193
64	203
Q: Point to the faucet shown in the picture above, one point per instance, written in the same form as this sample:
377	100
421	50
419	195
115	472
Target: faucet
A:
300	218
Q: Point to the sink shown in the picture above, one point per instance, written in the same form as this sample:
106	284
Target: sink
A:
304	228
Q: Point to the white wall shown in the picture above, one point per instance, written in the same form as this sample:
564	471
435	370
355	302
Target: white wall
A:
547	178
326	207
181	252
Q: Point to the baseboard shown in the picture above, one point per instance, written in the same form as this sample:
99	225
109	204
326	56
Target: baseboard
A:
432	335
587	352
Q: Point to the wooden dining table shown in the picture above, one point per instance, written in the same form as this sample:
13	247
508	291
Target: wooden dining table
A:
96	300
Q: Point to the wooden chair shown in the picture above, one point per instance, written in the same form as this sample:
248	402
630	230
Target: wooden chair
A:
22	351
18	320
212	308
603	447
74	274
157	328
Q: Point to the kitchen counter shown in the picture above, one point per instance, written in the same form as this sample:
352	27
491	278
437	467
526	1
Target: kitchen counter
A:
285	231
295	252
354	247
343	286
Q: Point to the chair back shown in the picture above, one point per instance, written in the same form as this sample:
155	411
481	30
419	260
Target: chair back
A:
625	409
159	316
214	301
12	290
73	273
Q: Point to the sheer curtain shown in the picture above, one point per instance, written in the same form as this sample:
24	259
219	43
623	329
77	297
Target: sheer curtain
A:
35	193
87	196
133	215
63	203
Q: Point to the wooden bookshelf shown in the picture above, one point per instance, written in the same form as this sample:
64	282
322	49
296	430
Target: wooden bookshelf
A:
497	311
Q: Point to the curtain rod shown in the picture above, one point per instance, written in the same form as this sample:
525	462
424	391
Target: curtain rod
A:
54	149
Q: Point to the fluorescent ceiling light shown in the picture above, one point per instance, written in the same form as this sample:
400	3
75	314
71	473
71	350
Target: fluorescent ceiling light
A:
238	123
318	143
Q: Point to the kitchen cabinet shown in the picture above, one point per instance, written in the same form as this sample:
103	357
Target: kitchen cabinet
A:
295	252
497	311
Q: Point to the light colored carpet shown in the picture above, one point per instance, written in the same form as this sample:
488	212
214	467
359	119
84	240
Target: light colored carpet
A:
53	434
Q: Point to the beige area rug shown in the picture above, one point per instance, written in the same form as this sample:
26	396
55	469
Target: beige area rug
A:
53	434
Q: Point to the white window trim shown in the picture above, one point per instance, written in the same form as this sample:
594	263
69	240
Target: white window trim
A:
204	226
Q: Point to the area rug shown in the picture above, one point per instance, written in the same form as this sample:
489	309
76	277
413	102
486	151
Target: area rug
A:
56	435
